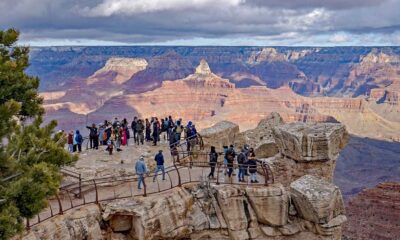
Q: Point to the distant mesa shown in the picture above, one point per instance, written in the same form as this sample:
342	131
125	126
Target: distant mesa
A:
271	55
118	70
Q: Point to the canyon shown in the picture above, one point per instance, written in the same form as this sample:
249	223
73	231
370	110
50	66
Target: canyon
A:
299	202
357	86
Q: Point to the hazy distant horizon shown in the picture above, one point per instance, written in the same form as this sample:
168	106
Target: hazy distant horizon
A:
243	46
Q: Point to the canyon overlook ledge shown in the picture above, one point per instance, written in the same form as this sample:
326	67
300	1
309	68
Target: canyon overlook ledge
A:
303	203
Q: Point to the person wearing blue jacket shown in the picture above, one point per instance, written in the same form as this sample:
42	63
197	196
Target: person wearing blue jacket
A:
159	158
141	170
77	141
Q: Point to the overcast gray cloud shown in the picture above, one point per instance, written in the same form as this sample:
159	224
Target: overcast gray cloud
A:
204	22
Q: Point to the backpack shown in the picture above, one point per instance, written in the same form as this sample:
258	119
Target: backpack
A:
178	129
241	158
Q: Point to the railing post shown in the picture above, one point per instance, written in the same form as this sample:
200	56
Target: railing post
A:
59	204
179	175
80	185
265	174
219	167
144	186
27	224
97	193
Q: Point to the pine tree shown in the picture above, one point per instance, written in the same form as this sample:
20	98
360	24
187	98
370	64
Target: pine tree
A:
30	154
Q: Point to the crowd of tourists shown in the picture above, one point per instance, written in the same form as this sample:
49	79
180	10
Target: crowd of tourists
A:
245	162
118	133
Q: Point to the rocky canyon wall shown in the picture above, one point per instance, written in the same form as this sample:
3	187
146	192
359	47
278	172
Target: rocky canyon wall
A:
302	203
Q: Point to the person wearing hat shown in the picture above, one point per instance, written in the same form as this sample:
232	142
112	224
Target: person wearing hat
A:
159	158
213	158
141	170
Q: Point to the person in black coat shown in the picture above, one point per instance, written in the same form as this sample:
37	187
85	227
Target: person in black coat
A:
230	156
213	158
133	126
93	136
252	163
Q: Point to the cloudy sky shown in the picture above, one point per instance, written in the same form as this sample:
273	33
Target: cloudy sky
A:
204	22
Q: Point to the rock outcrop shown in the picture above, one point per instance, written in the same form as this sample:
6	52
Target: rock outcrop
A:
307	149
261	138
224	212
79	223
221	134
316	200
310	142
300	204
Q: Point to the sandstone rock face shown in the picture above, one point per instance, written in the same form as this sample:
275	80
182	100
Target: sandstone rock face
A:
221	134
317	201
270	204
261	138
287	170
234	207
374	213
79	223
153	217
311	142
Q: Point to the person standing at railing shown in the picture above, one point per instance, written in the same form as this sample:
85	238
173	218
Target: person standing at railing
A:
188	136
170	127
156	131
159	158
70	141
140	131
172	137
133	126
118	137
213	158
252	163
178	131
148	130
141	170
242	163
78	139
93	136
225	149
230	157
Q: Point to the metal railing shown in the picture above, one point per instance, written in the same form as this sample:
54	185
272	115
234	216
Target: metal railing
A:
112	188
188	167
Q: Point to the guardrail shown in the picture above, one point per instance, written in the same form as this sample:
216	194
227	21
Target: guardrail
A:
188	167
112	188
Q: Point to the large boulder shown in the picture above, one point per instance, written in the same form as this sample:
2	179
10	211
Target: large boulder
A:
305	142
237	211
221	134
261	138
317	200
270	204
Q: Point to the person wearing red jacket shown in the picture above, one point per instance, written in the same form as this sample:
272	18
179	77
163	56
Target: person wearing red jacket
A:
70	141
